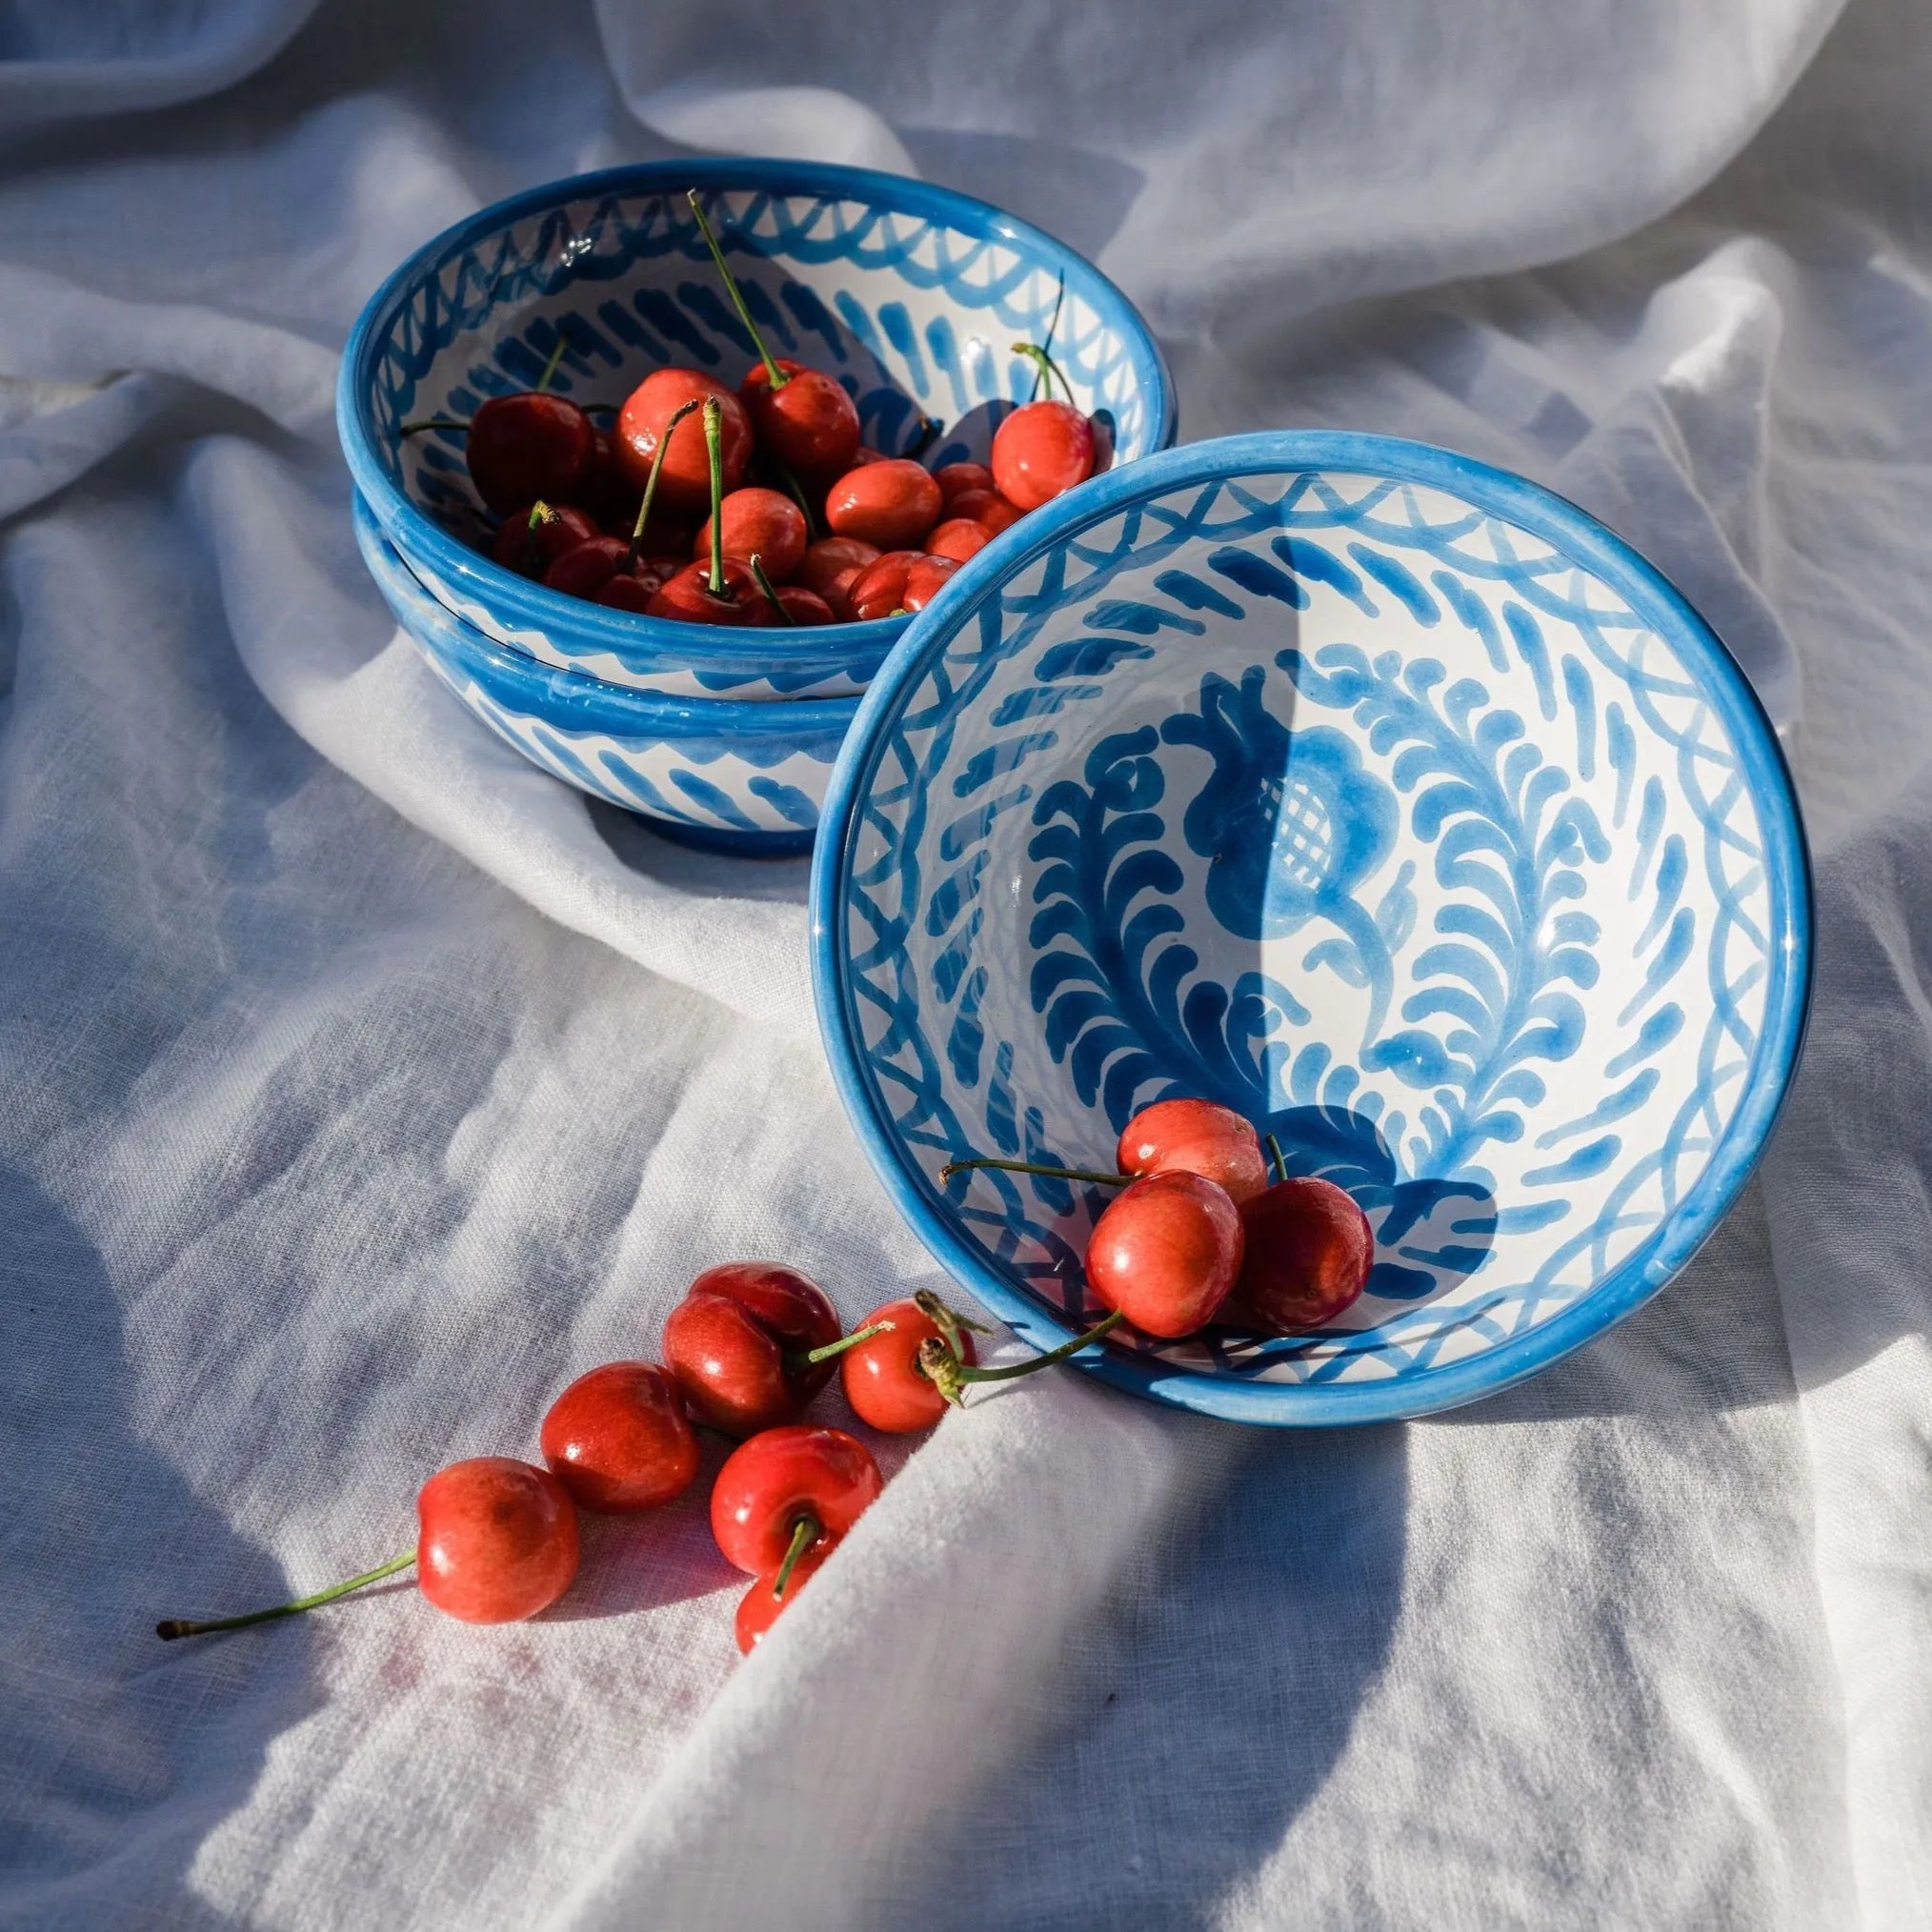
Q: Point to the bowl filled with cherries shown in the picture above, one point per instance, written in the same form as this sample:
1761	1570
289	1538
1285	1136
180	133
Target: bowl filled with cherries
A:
697	435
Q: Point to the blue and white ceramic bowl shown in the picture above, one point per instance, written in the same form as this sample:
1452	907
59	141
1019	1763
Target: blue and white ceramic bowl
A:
911	294
708	772
1378	793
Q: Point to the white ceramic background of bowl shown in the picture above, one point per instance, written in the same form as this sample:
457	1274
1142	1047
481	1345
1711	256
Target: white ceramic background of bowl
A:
746	779
1376	793
910	294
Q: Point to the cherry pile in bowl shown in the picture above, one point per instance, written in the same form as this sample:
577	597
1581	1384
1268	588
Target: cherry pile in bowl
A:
754	506
1199	1233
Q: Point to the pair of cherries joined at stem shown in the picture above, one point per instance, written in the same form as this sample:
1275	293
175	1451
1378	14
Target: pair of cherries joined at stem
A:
831	531
1200	1233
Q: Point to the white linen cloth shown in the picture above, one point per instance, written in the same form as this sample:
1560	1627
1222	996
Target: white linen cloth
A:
362	1085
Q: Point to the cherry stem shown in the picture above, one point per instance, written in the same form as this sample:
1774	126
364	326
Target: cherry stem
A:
805	1532
949	1374
1053	323
764	584
1046	366
775	375
431	423
1280	1162
1094	1174
541	513
550	366
713	449
844	1342
173	1627
949	1321
676	417
796	494
930	427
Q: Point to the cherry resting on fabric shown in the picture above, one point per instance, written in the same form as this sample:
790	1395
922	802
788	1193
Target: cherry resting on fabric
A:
1309	1249
1195	1137
1166	1252
883	1380
760	1606
789	1490
617	1438
498	1543
736	1344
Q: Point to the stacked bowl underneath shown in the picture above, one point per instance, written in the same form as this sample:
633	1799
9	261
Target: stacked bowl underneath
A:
912	297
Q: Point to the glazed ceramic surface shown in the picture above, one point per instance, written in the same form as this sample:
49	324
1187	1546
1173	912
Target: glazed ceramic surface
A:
910	294
742	777
1377	793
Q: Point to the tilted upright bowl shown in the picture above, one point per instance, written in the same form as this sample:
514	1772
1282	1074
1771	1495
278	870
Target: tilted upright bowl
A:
1378	793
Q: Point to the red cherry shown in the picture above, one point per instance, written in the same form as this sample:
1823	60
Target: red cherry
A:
1309	1249
760	1606
626	593
498	1543
1195	1137
809	423
890	503
687	597
526	446
1041	452
617	1438
832	557
805	606
736	1344
883	1380
528	549
865	453
879	590
684	481
1166	1252
584	571
923	579
953	478
959	540
985	507
759	523
783	1478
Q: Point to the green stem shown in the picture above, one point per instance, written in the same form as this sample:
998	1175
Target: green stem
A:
949	1374
949	1321
173	1627
844	1342
550	366
764	584
805	1532
713	449
1280	1163
774	375
1046	365
541	512
676	417
1053	323
792	487
431	423
1094	1174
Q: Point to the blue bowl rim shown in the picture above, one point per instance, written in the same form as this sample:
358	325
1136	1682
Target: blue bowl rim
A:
414	531
633	712
1787	868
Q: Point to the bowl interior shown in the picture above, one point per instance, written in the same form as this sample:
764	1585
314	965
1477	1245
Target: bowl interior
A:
910	296
1378	795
